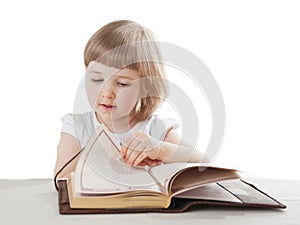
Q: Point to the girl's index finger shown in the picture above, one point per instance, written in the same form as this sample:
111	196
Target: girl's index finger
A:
123	150
125	145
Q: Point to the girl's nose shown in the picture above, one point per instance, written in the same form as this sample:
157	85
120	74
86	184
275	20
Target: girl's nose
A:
107	91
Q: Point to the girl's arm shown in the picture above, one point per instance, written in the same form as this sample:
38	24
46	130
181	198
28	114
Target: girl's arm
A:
67	148
141	146
174	150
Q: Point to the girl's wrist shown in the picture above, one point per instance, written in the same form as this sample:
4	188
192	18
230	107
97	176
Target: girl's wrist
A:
166	151
170	152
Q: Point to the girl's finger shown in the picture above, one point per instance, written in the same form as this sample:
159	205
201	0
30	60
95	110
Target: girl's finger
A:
136	144
142	156
147	161
134	154
125	146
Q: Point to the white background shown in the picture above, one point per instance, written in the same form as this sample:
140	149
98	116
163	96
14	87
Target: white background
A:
251	47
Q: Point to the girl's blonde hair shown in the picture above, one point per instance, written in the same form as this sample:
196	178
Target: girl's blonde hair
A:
126	44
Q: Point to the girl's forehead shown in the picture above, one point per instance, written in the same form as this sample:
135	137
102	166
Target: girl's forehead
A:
99	68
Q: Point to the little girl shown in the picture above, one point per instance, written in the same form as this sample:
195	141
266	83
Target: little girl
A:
125	85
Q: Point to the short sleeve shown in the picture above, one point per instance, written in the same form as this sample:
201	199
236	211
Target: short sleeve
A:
159	127
81	126
68	124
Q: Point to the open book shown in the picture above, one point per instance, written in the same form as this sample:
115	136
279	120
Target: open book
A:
102	180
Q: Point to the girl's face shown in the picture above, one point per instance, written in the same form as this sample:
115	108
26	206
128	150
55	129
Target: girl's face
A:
113	93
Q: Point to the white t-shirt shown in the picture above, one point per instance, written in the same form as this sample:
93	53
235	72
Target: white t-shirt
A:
83	126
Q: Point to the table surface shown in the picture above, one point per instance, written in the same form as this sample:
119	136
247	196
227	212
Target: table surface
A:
34	201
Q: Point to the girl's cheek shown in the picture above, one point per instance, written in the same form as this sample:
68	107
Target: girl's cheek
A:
131	99
92	92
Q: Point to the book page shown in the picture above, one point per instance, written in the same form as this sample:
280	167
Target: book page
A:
209	192
163	173
101	169
194	177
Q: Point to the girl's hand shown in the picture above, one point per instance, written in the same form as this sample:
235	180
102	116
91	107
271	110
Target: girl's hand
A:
149	162
141	150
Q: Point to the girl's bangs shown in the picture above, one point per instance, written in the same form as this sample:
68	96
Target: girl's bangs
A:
131	56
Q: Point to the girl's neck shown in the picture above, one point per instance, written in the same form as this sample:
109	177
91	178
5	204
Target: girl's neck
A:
120	125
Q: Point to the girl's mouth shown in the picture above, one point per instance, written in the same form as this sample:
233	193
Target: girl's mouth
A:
107	107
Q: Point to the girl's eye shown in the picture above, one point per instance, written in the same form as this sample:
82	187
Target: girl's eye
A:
121	84
97	80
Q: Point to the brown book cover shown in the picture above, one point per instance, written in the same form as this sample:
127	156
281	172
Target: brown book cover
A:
247	194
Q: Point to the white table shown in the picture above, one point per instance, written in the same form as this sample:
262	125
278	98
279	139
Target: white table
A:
34	201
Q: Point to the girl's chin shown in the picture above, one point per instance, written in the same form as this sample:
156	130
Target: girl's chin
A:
107	114
111	116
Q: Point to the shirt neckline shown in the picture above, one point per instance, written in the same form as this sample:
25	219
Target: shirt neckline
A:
140	126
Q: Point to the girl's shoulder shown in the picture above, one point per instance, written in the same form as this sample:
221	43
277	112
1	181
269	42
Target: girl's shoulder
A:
79	119
81	126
